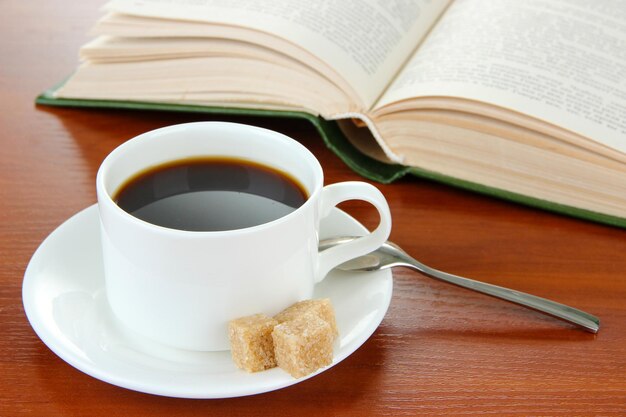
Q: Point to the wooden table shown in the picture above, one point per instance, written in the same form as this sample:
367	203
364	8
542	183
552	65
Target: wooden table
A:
440	350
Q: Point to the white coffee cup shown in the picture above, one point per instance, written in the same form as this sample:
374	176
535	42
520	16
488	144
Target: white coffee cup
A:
180	288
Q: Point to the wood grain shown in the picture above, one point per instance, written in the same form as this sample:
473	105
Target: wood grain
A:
441	350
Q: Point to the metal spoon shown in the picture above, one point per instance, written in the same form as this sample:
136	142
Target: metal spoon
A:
390	255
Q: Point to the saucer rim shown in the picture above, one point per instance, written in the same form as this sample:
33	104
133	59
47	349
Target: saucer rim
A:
61	348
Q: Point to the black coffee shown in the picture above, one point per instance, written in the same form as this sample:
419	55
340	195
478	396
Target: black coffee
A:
210	194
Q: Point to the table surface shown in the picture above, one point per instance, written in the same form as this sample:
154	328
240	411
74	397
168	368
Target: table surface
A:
440	350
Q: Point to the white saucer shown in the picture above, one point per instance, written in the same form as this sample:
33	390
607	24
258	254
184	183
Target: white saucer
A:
64	299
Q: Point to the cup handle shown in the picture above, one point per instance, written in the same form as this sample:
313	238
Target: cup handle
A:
353	190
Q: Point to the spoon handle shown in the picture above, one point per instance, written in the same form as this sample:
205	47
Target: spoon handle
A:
585	320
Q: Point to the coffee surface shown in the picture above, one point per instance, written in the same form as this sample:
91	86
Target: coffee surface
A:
210	194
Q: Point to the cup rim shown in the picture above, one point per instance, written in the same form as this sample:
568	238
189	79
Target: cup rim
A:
104	197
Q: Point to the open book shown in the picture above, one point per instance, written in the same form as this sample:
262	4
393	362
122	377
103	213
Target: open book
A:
526	100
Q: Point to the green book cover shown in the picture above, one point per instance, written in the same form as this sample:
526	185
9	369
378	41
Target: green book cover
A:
339	144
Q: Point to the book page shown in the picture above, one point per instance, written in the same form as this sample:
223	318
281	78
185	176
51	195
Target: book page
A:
365	41
561	61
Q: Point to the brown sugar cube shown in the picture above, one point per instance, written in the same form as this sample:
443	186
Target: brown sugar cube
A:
303	345
321	307
251	342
